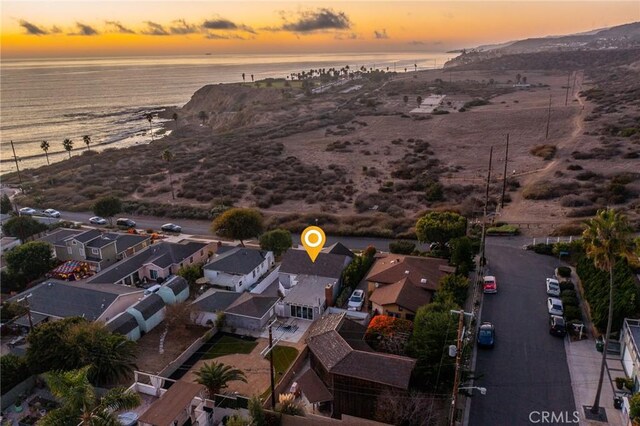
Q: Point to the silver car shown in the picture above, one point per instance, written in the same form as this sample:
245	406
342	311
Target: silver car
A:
27	211
554	306
52	213
553	287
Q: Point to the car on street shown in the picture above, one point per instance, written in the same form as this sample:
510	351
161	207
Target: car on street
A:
489	284
356	300
486	335
553	287
554	306
171	227
52	213
557	325
125	223
97	220
27	211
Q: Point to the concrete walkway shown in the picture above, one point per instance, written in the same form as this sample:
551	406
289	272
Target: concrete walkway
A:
584	368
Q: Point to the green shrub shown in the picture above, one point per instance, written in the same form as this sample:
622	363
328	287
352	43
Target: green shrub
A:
402	247
568	293
13	370
564	272
474	103
546	152
570	301
503	230
572	313
542	248
567	286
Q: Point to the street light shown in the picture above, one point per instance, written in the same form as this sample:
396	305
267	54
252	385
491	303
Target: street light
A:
483	391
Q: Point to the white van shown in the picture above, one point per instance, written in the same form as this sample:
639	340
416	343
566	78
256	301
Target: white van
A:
153	289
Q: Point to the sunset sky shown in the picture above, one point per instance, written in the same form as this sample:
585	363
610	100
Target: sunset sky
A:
109	27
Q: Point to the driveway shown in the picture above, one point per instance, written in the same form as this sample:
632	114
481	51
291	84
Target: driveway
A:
526	373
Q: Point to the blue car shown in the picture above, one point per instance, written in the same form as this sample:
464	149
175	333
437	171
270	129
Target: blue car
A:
486	335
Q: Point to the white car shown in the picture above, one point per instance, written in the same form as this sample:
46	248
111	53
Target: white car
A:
52	213
554	306
553	287
356	300
97	220
27	211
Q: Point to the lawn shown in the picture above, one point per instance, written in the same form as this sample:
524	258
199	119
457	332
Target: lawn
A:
228	345
283	357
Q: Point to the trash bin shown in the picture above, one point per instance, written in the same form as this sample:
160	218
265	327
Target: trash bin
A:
599	344
617	402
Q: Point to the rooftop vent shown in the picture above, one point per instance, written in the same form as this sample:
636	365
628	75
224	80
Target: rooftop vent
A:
423	281
406	272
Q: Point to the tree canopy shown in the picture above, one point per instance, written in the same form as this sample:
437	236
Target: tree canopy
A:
440	227
30	260
107	207
238	224
277	241
215	376
5	204
23	227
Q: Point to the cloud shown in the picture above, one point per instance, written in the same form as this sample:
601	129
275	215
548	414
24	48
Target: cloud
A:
55	30
416	43
380	34
119	28
154	29
84	30
318	20
180	26
214	36
349	36
32	29
225	24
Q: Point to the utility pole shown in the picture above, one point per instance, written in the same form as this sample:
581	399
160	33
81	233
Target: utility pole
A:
548	118
566	98
484	217
504	182
456	382
15	158
573	86
26	300
269	350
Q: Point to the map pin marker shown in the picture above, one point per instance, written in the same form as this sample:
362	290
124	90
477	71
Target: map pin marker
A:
313	240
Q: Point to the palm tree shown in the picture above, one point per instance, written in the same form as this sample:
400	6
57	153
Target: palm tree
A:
87	141
45	147
149	118
68	145
607	238
215	376
80	403
175	119
168	157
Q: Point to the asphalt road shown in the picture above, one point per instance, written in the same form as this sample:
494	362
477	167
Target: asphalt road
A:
526	372
203	228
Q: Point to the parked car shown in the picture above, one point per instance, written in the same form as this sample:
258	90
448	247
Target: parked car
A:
557	325
97	220
171	227
27	211
553	287
52	213
125	223
489	284
356	300
486	335
554	306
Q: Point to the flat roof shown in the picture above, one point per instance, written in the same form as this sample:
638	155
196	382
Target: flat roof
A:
164	410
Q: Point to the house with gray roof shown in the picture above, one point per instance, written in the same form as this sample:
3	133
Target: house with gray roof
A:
238	268
241	310
174	290
310	287
125	324
149	312
154	264
96	248
54	299
345	364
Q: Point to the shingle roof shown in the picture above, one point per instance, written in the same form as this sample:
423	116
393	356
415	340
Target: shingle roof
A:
402	293
237	261
149	305
215	300
391	268
161	254
62	300
326	340
102	241
326	265
175	401
86	236
313	388
177	284
126	241
339	248
251	305
57	237
123	323
308	290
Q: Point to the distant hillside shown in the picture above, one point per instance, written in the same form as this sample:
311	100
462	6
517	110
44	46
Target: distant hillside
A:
625	36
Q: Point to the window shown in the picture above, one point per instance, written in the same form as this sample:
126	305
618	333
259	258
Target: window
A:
153	274
201	252
95	251
74	242
254	273
191	259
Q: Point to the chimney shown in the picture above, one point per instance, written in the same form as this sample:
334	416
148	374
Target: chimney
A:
328	294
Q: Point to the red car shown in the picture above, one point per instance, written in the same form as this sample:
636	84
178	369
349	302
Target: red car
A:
489	284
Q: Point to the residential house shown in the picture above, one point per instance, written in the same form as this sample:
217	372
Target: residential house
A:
349	369
630	349
149	312
309	287
174	290
177	406
55	299
398	285
99	250
238	268
241	310
154	264
125	324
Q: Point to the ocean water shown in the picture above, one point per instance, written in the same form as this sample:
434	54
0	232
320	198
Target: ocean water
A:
108	98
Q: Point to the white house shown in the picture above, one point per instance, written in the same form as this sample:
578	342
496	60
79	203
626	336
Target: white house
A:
630	349
238	268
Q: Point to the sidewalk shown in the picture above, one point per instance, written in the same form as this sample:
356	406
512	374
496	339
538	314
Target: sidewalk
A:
584	368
